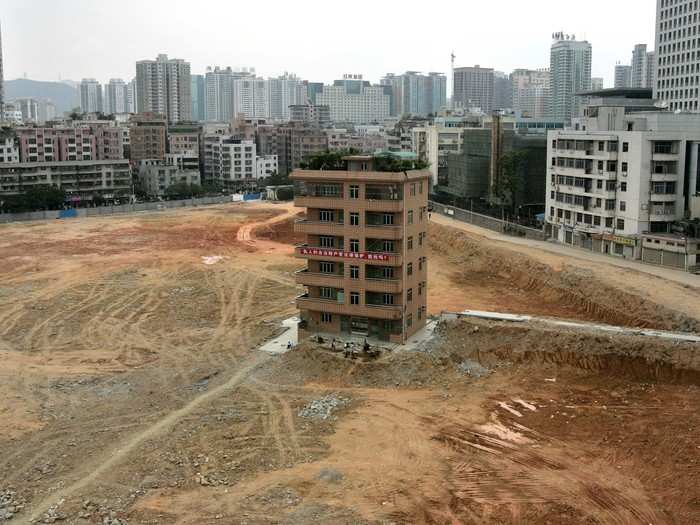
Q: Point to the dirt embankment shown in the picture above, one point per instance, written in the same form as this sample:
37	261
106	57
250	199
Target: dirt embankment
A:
491	279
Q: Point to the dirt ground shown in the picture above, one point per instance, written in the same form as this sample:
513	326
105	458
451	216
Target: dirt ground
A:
131	391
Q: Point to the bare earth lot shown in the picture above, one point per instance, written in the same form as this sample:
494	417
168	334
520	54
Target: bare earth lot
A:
131	391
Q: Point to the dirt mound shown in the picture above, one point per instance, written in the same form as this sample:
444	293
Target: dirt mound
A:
565	292
282	232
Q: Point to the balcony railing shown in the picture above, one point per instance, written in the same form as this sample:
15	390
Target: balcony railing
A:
389	312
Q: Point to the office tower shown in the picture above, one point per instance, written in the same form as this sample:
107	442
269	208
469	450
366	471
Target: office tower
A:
198	97
132	106
91	96
502	91
643	67
623	76
597	83
570	69
531	92
365	252
117	97
282	92
473	88
163	86
676	79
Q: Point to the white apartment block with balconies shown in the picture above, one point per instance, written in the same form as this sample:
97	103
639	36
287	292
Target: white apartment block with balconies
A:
622	175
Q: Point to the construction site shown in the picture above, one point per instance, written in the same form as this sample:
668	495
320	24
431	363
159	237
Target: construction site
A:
133	389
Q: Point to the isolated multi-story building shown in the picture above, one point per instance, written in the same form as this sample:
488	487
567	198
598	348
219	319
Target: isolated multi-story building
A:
678	60
570	70
632	174
433	143
163	86
156	176
473	88
366	251
91	96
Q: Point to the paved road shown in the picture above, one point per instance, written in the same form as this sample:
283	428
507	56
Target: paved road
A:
680	277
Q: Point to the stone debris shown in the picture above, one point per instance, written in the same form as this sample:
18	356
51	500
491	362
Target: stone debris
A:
10	504
323	408
53	514
473	369
330	475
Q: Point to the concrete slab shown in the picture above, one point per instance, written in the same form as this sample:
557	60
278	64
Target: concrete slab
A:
279	345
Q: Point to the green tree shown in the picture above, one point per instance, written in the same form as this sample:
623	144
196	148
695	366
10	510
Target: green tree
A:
182	190
285	194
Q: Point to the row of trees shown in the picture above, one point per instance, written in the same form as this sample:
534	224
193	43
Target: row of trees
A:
33	199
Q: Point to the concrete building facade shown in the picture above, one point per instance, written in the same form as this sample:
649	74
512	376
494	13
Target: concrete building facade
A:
627	176
643	67
163	86
229	162
677	81
414	93
623	76
473	88
198	92
353	101
157	176
365	253
147	137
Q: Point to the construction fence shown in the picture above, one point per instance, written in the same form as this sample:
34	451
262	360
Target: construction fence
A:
123	208
490	223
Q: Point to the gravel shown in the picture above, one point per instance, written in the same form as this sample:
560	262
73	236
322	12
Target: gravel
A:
323	408
473	369
10	504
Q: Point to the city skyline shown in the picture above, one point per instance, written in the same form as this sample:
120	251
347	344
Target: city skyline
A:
322	55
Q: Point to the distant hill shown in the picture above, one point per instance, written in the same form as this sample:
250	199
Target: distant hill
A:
62	95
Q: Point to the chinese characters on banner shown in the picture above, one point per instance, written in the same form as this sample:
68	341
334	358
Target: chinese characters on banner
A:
345	255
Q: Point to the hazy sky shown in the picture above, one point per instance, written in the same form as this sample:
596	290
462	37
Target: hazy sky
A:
317	40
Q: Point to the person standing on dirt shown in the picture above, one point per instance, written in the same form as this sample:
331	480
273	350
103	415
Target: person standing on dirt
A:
346	349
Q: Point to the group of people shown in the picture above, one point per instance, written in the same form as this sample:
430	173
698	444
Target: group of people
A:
349	347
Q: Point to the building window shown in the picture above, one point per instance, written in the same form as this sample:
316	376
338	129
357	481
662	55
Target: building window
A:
326	293
420	288
409	269
410	243
624	167
388	219
410	216
596	220
326	242
601	146
413	189
354	192
354	298
325	215
388	299
608	222
326	267
623	185
354	219
354	272
388	273
326	318
420	314
354	245
388	246
625	147
409	295
409	320
623	206
620	224
420	187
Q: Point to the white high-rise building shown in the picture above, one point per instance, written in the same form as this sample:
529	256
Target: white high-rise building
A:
414	93
570	69
250	97
218	89
678	60
362	104
531	92
132	106
91	96
163	86
116	97
282	92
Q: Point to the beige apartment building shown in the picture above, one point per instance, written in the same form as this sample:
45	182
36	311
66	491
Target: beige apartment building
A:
366	250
